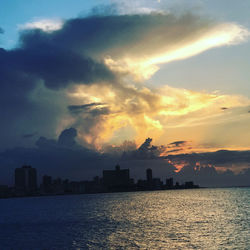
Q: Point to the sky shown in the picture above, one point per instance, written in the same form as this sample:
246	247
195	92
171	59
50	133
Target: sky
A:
152	83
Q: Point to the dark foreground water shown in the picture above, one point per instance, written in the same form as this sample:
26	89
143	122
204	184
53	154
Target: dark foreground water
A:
178	219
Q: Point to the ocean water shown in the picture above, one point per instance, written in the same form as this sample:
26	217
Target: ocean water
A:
177	219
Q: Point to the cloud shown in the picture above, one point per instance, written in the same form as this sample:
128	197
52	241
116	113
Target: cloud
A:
43	142
105	10
220	162
60	66
145	151
76	109
29	135
1	30
47	25
177	143
163	38
214	158
208	176
139	112
119	150
136	44
176	147
55	67
67	138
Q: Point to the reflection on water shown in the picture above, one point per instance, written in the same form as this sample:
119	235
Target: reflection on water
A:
177	219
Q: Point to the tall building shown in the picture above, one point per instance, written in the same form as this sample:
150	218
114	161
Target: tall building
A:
26	179
149	175
118	178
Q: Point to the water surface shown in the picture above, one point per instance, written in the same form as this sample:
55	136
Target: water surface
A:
173	219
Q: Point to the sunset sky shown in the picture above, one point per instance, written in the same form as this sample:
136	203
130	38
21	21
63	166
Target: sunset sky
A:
119	72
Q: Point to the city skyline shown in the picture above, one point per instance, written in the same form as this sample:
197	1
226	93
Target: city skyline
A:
144	83
115	180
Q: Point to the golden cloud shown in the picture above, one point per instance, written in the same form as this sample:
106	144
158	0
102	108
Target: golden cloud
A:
148	112
164	45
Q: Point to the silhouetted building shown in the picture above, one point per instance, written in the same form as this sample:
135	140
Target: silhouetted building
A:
4	191
47	180
142	185
26	179
77	187
157	183
66	186
170	183
149	175
116	179
189	184
58	186
151	183
57	181
47	184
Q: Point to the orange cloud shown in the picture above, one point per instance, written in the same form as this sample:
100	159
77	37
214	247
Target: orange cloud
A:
142	112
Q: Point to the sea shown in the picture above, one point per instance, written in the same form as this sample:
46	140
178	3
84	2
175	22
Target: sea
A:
170	219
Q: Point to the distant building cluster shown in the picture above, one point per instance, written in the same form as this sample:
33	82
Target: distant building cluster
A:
117	180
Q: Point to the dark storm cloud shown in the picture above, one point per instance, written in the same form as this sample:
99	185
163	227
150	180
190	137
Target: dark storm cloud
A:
15	105
36	61
55	66
216	158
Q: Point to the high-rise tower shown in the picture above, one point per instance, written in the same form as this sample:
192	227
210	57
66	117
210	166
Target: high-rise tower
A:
26	179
